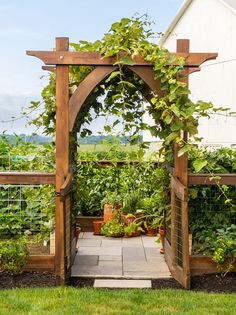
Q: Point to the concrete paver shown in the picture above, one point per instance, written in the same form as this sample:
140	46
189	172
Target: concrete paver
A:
90	242
133	254
87	250
117	258
106	283
87	260
110	257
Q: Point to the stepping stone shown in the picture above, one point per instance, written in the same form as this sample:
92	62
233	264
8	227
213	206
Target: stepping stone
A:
122	283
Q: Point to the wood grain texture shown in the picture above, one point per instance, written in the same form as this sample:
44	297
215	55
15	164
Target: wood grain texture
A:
62	155
27	178
208	179
40	262
180	190
147	74
96	59
200	265
49	68
66	187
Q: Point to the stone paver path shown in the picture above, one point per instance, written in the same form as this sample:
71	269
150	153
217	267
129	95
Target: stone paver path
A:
128	258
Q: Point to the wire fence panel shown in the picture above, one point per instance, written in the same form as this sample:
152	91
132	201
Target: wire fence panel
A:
26	209
178	233
211	208
30	162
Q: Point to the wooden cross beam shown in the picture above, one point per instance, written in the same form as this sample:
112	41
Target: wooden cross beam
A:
96	59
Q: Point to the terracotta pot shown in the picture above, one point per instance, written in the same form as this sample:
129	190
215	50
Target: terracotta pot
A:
127	220
151	231
162	233
97	227
108	212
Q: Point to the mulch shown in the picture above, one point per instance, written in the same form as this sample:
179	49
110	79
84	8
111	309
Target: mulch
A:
206	283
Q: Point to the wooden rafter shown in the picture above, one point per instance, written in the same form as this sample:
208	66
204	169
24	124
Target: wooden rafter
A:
96	59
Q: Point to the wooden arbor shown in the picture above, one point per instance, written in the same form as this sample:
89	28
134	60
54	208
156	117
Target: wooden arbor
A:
67	110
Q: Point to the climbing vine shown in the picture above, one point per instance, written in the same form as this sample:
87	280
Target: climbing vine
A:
124	94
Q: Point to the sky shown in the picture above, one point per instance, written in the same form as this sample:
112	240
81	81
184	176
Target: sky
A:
33	25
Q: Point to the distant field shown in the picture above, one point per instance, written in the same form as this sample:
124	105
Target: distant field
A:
102	147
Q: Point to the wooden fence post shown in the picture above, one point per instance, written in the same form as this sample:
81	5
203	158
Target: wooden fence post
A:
62	153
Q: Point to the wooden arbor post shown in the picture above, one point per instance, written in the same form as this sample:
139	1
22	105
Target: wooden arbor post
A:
179	199
62	153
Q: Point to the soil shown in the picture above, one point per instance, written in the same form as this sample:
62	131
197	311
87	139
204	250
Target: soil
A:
206	283
25	279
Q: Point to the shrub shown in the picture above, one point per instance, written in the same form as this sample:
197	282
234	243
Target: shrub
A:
13	255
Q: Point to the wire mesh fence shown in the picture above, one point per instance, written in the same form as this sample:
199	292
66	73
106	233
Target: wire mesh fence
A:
24	163
178	232
26	209
211	209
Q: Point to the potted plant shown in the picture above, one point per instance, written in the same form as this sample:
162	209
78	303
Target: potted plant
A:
97	225
113	228
133	229
153	214
111	203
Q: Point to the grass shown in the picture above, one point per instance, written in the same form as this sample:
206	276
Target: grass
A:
121	302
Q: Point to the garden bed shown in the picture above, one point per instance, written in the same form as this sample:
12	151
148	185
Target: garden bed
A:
86	222
27	279
207	283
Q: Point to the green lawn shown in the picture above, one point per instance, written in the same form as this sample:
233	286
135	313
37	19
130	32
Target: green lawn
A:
100	301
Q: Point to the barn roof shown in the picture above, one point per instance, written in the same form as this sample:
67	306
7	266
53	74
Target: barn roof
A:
230	4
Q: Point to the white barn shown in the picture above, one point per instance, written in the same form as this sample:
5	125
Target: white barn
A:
211	27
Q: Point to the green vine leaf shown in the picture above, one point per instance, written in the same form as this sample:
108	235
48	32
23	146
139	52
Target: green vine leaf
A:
171	137
127	61
198	165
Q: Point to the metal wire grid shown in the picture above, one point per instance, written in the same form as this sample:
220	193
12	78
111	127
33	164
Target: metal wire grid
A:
178	233
168	226
21	209
25	163
212	208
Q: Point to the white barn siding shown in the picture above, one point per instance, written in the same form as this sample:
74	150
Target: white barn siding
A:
211	27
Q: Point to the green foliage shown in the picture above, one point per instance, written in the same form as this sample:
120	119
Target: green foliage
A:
132	202
133	228
19	155
13	254
203	160
113	228
123	94
95	183
222	245
26	209
113	199
212	209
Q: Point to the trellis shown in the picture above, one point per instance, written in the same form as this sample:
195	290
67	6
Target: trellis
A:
67	109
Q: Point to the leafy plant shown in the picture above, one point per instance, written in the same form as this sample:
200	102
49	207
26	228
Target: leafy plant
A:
113	199
132	202
133	228
113	228
13	254
222	245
